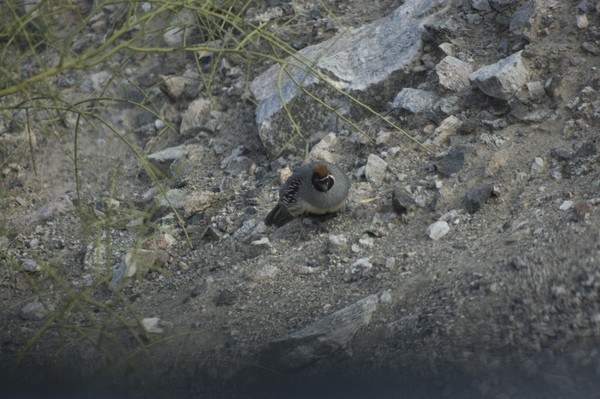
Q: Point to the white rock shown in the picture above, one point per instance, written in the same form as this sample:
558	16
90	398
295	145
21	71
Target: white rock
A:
582	21
366	241
447	48
263	241
537	165
437	230
453	73
152	325
336	242
375	169
566	205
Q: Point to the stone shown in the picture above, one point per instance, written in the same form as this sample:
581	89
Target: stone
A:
359	61
414	100
448	48
481	5
359	269
181	29
477	197
262	242
553	87
35	310
31	266
452	161
336	243
152	325
501	5
502	79
566	205
95	82
582	21
198	201
366	241
320	339
438	229
536	90
383	138
163	159
320	152
187	86
452	216
449	105
523	20
136	225
236	152
245	229
537	166
174	197
196	117
448	127
375	169
453	73
139	262
591	48
402	202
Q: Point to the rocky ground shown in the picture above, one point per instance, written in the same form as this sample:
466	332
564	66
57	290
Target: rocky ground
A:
465	268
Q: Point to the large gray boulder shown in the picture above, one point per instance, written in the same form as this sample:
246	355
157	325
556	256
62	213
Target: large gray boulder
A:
360	61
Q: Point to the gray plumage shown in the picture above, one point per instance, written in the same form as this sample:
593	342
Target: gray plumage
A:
315	188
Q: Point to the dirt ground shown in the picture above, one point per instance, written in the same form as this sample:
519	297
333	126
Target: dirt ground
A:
506	305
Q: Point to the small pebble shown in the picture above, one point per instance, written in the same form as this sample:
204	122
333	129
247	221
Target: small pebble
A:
566	205
31	266
477	197
437	230
537	165
582	21
152	325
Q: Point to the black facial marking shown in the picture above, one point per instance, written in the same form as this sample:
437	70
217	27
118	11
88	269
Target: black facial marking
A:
322	184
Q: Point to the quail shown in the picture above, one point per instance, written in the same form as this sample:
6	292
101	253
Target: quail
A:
315	188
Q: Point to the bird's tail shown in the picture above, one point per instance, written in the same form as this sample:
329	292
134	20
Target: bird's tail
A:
278	216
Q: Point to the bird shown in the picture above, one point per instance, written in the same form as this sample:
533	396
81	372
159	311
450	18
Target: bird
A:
315	188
